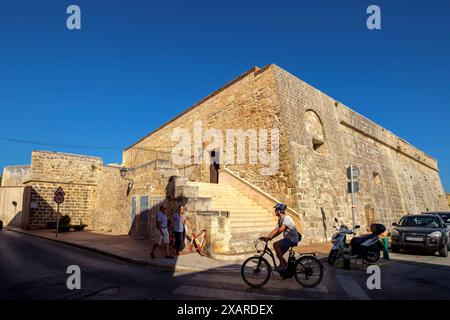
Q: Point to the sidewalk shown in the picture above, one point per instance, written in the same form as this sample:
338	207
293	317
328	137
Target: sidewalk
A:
126	248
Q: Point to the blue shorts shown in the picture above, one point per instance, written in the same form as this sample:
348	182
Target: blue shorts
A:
286	244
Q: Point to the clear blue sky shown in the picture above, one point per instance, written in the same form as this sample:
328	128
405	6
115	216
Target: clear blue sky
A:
136	64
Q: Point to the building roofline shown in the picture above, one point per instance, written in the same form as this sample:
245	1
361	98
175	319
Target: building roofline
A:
69	154
361	115
17	166
253	70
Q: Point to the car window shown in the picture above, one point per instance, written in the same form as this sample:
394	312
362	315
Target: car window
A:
445	217
425	222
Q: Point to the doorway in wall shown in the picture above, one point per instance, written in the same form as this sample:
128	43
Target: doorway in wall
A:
214	167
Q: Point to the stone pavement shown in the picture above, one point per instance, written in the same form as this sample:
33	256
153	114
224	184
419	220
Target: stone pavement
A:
127	248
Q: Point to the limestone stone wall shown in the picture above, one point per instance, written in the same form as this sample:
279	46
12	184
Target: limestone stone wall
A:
15	176
95	194
325	137
11	214
111	206
319	139
77	203
248	102
75	174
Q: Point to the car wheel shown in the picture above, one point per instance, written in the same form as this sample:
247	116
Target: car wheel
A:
395	249
443	252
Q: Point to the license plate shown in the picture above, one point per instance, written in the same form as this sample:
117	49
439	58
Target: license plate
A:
417	239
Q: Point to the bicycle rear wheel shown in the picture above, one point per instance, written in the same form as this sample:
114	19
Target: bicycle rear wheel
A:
308	271
255	271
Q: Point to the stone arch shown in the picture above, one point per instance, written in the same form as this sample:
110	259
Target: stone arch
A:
314	128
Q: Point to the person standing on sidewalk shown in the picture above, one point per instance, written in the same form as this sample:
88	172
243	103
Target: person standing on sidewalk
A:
179	229
162	234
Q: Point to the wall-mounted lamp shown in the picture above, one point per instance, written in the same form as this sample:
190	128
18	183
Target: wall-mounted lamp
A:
14	204
123	172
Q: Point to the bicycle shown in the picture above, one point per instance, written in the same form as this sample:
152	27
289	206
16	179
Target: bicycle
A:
195	244
256	271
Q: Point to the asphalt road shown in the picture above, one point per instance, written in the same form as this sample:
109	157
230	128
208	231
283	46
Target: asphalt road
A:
34	268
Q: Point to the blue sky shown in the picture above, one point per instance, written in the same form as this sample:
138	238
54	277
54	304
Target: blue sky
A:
136	64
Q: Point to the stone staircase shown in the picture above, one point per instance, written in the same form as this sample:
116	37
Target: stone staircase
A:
247	219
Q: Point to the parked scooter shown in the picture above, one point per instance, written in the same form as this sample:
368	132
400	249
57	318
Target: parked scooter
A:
366	247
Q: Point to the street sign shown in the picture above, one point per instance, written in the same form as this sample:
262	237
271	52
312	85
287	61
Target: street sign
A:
60	191
355	186
59	198
59	195
355	174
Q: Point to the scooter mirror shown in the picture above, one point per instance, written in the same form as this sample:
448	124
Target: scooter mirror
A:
336	220
357	227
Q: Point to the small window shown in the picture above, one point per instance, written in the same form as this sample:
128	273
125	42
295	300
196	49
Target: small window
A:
317	145
376	178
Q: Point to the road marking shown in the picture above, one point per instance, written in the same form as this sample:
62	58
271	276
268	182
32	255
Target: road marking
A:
352	288
272	284
222	294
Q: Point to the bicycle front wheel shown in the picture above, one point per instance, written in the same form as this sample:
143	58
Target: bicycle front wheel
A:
255	271
308	271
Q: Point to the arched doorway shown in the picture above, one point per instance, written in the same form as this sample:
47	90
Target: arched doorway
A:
214	167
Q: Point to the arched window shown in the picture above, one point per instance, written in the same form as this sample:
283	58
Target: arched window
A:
315	131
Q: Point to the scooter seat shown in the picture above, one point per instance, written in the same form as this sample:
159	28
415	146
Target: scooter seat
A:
360	239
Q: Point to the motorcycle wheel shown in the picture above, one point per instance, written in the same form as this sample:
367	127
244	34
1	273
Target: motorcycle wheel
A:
333	256
372	255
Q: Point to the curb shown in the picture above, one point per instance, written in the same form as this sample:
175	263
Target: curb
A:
115	256
174	268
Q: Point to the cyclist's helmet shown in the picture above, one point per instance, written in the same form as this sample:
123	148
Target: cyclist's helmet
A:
281	207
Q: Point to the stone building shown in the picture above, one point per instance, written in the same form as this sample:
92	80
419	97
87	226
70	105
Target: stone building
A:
318	139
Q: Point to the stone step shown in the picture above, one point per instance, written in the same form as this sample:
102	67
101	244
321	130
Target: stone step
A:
240	209
242	212
234	218
211	186
233	200
222	196
248	220
247	229
252	224
232	203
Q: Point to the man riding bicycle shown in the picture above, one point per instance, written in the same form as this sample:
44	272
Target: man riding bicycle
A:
291	237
